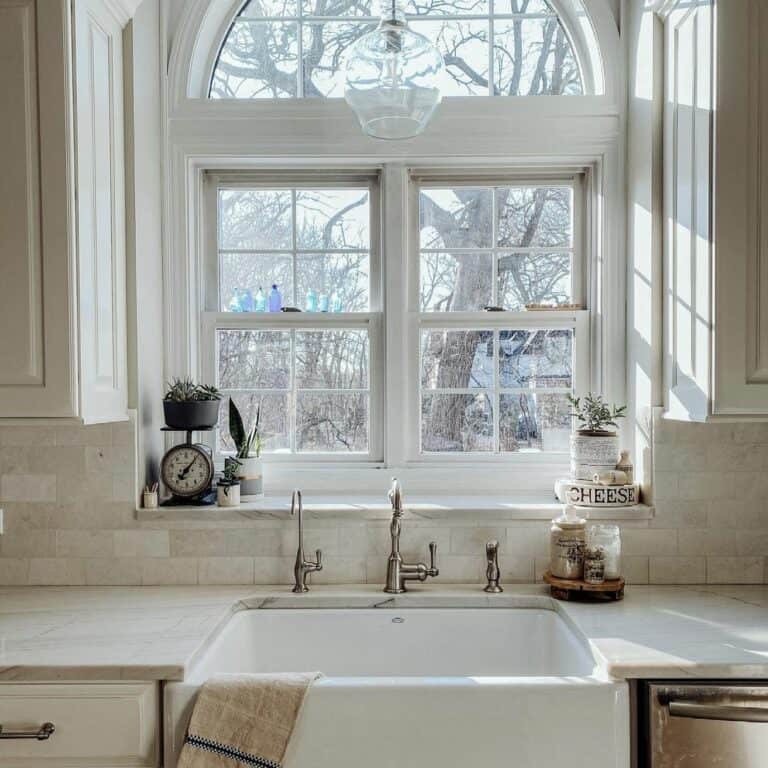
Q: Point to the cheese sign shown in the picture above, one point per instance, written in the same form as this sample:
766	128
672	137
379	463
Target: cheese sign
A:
582	494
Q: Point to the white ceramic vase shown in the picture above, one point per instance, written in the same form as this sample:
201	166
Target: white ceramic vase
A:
228	495
251	477
592	454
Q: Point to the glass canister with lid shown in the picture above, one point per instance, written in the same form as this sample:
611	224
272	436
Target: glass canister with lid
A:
608	539
567	538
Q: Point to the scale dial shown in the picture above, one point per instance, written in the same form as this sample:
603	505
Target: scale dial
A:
187	470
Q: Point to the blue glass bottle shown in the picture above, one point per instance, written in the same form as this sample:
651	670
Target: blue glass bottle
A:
234	303
260	302
246	300
310	304
323	302
275	299
336	303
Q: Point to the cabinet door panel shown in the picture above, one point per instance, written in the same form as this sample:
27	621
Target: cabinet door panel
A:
36	367
100	211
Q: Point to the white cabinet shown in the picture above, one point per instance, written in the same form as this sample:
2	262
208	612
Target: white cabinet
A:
716	209
62	210
98	725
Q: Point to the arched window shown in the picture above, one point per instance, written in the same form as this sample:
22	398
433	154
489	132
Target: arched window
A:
296	48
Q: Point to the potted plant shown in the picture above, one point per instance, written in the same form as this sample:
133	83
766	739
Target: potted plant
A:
595	443
248	446
228	485
188	405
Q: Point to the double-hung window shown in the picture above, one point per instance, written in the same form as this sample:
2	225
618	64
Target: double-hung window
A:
492	290
500	335
313	376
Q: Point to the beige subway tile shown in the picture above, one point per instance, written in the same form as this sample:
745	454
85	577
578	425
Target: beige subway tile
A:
515	570
375	570
677	570
666	485
194	543
253	542
723	455
28	543
728	514
79	489
634	569
94	515
353	540
95	434
532	541
124	487
462	568
31	487
73	543
14	571
273	570
141	543
56	571
63	460
113	571
18	461
705	485
708	541
123	433
31	436
21	516
168	571
225	570
472	541
326	539
680	514
651	541
735	570
340	570
414	541
540	567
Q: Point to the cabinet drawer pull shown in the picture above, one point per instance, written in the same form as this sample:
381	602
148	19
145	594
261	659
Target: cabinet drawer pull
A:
41	734
703	711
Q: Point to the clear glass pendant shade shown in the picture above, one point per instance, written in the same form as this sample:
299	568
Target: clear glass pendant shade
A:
392	78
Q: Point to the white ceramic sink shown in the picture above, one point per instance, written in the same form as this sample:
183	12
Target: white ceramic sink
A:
490	687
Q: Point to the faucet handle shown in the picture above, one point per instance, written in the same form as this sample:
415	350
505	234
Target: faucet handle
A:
433	571
319	559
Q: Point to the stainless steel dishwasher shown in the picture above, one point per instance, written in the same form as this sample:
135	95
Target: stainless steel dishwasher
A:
706	725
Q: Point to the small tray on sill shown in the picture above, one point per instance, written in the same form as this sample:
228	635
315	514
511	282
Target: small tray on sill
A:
578	589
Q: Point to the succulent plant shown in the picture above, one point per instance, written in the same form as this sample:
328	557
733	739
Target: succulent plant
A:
594	414
229	474
246	442
188	391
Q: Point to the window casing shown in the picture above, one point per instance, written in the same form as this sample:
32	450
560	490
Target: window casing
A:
395	430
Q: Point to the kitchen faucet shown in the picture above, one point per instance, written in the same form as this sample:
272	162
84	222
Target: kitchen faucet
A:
303	567
492	572
399	572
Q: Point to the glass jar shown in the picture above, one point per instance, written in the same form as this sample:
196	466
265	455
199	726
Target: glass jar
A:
567	537
607	538
594	565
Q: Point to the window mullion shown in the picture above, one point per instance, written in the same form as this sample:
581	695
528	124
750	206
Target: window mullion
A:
294	404
496	402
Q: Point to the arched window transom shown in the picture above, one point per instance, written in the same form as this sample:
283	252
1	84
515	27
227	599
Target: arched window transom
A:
296	48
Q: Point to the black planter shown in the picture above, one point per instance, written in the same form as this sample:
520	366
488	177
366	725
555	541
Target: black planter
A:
197	414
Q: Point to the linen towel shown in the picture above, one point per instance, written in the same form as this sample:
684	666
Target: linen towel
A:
244	721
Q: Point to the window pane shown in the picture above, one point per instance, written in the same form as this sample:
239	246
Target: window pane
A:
456	423
255	219
273	422
456	218
456	282
528	7
534	421
331	422
254	359
257	61
332	359
530	359
340	276
456	359
242	274
325	49
340	7
260	8
447	7
464	45
533	57
333	219
534	278
534	216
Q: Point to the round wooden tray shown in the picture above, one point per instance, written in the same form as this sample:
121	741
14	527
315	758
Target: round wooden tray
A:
575	589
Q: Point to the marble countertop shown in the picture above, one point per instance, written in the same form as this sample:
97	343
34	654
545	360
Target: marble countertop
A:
155	633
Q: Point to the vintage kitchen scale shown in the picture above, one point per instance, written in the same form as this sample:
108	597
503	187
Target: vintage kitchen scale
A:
187	471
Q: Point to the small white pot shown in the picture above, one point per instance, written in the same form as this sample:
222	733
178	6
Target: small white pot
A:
250	473
593	454
228	495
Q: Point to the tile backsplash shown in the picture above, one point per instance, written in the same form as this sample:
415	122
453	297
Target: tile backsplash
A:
67	496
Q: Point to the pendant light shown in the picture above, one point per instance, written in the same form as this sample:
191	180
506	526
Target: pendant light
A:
392	78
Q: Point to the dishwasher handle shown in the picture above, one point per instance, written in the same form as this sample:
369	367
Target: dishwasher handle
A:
699	710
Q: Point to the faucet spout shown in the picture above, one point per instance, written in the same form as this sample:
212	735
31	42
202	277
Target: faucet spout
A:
399	572
303	567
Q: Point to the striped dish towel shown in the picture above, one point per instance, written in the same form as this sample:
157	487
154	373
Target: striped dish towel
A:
244	721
